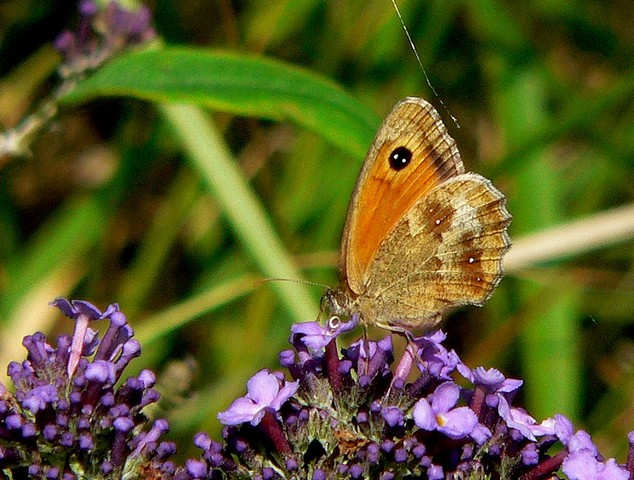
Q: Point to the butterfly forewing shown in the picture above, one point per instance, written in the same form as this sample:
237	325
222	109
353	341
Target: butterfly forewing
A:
386	190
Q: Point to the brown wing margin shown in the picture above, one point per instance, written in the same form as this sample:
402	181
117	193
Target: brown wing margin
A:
382	195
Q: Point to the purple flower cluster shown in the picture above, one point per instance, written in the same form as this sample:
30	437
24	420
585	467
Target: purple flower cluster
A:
101	34
67	419
352	414
348	413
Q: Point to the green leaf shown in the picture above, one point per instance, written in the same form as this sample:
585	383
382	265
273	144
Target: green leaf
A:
237	83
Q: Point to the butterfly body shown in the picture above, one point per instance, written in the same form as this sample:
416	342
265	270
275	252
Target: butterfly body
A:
421	236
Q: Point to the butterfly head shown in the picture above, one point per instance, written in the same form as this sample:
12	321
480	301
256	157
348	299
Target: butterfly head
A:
336	303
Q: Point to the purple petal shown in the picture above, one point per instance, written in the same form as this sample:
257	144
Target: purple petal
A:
123	424
39	397
101	371
480	434
581	441
612	471
515	418
286	392
438	361
87	8
435	337
65	306
118	319
547	427
287	358
202	440
465	371
385	344
13	421
435	472
581	466
510	385
400	455
147	378
444	397
28	430
263	387
393	416
308	328
316	343
563	428
49	432
457	423
110	310
424	416
343	327
241	410
490	378
530	455
64	42
367	348
86	441
291	464
356	471
86	308
387	445
319	474
196	468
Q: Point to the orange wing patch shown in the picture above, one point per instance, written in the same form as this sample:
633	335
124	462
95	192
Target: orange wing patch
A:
383	193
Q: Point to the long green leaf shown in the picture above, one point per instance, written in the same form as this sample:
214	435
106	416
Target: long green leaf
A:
236	83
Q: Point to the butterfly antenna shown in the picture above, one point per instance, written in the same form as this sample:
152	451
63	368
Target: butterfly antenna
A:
293	280
415	50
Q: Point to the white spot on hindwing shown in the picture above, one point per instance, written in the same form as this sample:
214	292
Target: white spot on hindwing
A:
463	218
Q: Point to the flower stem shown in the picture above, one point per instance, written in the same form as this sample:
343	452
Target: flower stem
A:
548	466
477	400
272	428
405	363
81	326
332	366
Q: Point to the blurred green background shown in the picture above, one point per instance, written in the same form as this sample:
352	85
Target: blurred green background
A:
157	207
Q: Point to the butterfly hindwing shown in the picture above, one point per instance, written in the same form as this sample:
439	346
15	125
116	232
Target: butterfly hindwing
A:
446	251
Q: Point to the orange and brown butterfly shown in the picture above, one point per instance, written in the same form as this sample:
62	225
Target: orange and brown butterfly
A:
421	235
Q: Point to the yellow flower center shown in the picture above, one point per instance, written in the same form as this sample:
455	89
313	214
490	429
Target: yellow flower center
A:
441	419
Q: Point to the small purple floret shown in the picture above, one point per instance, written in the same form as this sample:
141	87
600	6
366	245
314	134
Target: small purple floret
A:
264	390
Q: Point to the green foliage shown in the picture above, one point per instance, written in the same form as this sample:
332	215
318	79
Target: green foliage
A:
240	84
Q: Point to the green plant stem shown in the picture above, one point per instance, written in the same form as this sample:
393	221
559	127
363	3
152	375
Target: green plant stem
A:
209	154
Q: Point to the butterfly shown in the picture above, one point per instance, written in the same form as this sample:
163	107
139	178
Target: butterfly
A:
421	235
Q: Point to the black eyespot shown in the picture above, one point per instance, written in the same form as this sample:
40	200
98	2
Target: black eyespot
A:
400	157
